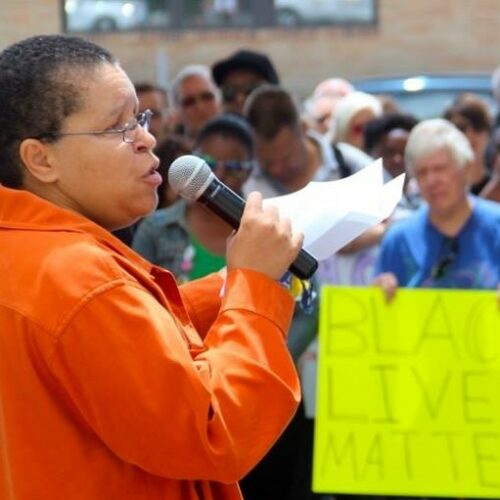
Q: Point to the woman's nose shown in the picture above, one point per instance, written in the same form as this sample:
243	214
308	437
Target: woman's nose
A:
145	140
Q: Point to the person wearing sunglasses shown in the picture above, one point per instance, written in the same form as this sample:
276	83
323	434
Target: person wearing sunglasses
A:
186	238
240	74
453	241
114	381
196	100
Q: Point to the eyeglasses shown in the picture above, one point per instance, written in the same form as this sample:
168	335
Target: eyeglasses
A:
191	100
448	254
128	131
229	92
233	166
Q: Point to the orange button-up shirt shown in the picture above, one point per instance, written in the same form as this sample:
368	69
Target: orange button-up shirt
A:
114	383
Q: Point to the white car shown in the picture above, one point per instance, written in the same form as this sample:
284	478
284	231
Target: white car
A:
300	12
105	15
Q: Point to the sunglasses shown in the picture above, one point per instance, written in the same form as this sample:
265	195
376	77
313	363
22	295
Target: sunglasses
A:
448	255
233	166
230	92
191	100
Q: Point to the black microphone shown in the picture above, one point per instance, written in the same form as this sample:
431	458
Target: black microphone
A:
193	179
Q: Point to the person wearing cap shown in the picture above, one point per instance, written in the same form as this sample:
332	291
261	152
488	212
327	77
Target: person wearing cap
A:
241	73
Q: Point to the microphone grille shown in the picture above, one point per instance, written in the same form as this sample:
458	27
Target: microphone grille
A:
189	176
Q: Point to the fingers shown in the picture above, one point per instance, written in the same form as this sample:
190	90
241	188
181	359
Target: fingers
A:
253	204
265	241
389	284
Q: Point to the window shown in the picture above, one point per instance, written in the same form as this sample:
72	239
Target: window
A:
124	15
105	15
218	14
313	12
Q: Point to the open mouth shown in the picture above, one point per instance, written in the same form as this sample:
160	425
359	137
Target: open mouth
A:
154	168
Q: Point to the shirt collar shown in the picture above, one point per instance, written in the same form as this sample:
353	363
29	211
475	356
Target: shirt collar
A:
21	209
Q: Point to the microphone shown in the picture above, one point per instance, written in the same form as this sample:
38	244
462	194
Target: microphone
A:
193	179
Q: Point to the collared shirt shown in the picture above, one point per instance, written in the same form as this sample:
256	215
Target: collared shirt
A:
114	382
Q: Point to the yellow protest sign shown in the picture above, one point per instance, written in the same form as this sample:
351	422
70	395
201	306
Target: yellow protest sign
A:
408	398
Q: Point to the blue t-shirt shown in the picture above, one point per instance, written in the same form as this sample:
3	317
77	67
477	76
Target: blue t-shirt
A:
420	256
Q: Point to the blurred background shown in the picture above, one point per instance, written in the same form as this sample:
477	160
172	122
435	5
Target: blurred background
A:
421	53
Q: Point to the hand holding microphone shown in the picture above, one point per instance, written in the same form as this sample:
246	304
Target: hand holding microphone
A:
264	242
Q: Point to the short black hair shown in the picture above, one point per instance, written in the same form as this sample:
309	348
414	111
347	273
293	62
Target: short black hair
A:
143	87
38	90
228	125
473	109
376	129
269	109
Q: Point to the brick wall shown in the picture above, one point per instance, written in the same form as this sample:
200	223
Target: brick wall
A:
22	18
411	37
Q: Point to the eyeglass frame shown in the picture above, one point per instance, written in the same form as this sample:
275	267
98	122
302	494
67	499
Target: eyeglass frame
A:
141	119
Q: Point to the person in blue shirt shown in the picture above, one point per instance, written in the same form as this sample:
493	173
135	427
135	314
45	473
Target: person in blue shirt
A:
453	241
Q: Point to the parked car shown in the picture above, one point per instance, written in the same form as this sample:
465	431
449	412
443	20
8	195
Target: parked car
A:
302	12
105	15
426	96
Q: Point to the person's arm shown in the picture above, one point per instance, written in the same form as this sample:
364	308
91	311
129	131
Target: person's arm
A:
134	371
385	272
369	238
127	369
203	298
492	189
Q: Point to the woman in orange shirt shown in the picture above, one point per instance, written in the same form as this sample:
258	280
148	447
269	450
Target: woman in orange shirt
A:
114	382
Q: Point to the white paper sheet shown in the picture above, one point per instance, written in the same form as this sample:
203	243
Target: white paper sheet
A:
331	214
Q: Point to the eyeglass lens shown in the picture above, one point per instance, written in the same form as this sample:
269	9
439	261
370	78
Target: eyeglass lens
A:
130	130
234	165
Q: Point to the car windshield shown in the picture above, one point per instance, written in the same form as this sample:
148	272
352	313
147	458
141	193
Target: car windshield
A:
427	96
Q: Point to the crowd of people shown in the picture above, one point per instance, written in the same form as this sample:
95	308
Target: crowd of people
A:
445	232
167	388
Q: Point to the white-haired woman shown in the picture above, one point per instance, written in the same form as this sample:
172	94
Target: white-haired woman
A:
454	240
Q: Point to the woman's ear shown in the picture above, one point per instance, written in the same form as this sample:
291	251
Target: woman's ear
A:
36	157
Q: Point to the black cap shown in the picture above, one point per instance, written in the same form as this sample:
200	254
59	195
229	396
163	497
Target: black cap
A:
245	59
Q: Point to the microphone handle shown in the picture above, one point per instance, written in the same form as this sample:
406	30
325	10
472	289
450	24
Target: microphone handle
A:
229	206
